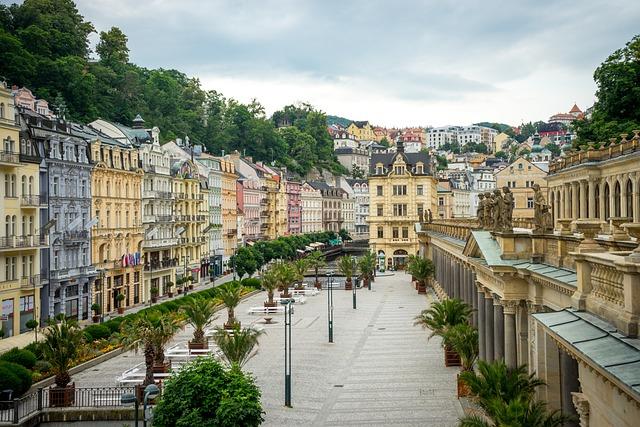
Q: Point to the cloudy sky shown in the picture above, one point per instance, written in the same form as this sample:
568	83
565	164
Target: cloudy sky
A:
431	62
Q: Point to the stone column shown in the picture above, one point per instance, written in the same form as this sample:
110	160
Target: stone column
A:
523	334
569	384
581	403
574	200
583	199
623	199
456	278
561	198
474	303
488	326
567	205
601	200
592	199
510	343
481	322
612	198
498	325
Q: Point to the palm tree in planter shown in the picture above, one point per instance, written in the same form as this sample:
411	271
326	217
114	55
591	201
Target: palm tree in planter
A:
166	327
179	284
346	267
463	339
441	316
316	261
270	283
120	298
169	287
96	308
300	266
139	333
237	346
286	277
230	294
60	348
199	313
421	269
154	294
366	264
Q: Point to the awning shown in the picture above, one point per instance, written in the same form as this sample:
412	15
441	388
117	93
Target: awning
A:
299	251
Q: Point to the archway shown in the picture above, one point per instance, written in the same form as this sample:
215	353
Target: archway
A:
617	197
400	259
607	202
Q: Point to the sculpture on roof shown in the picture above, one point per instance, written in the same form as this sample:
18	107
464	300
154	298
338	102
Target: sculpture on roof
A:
541	211
507	210
480	210
498	210
487	211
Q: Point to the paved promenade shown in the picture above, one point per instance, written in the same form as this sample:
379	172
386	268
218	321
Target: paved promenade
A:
381	370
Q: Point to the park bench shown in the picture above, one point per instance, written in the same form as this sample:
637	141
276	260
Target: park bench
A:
266	310
305	292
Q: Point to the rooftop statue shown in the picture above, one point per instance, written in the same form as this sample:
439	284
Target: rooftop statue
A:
507	209
541	214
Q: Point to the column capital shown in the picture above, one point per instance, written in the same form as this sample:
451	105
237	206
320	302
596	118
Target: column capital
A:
497	301
510	306
534	308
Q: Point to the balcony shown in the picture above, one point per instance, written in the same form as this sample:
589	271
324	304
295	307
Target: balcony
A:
264	214
70	273
75	237
22	242
200	218
33	201
160	264
9	158
231	232
180	196
401	240
160	243
151	194
30	282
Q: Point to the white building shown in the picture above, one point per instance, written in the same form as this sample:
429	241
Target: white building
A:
360	191
344	139
311	209
436	137
483	179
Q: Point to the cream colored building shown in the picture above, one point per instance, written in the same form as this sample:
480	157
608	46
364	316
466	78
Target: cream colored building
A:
229	208
311	209
520	176
20	239
362	130
401	189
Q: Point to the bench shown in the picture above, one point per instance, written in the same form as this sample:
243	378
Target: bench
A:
305	292
266	310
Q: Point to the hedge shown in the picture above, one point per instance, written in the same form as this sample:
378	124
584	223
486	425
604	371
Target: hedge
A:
14	377
96	332
20	357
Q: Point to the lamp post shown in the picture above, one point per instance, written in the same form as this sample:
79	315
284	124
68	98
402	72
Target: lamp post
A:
102	296
128	399
355	284
150	392
186	288
330	304
287	355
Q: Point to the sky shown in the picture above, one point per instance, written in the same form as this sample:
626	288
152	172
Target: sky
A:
394	63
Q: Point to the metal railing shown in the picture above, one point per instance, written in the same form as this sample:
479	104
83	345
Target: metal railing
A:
9	157
16	410
33	200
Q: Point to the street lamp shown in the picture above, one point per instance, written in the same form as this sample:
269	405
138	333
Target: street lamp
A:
287	354
186	288
330	304
102	296
128	399
354	285
150	392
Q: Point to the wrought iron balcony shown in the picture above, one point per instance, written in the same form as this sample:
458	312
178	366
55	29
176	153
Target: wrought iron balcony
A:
33	200
9	157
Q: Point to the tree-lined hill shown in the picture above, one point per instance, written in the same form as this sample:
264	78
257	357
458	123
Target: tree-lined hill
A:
44	46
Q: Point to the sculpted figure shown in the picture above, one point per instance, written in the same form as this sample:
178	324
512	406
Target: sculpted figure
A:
488	208
429	215
541	212
507	213
480	210
498	209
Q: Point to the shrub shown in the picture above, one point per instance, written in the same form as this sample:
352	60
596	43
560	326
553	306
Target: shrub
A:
42	366
35	348
14	377
21	357
96	332
251	282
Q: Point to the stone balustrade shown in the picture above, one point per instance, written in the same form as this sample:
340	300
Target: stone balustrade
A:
609	286
456	228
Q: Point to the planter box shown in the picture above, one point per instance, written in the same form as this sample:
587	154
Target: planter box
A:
179	291
451	358
283	295
270	304
62	397
95	319
170	294
422	289
198	345
162	369
318	286
463	388
348	286
120	310
154	299
230	326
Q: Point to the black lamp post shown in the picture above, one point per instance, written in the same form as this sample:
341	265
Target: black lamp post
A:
330	304
355	284
287	355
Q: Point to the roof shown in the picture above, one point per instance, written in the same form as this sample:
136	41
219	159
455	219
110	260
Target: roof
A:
575	109
348	150
599	344
411	159
360	124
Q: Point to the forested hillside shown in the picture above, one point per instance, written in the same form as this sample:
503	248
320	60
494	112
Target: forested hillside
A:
44	46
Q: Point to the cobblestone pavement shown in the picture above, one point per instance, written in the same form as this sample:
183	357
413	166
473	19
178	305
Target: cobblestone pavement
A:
380	370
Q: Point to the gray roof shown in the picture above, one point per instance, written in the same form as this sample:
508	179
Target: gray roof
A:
410	159
599	344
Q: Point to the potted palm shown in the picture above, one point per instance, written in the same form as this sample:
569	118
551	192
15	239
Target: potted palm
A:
179	284
60	348
237	347
230	295
441	316
137	334
165	328
366	265
199	313
346	267
270	283
190	280
463	339
316	261
120	298
154	294
169	287
286	276
96	308
300	267
422	270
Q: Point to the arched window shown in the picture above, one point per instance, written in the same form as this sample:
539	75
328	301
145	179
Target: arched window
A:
7	226
607	200
616	199
597	200
14	220
2	110
629	199
24	226
31	185
23	186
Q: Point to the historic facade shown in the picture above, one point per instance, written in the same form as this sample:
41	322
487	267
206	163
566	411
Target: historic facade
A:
520	177
361	209
294	205
332	216
311	209
229	208
401	190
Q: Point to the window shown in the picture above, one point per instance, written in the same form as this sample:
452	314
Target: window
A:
529	202
419	190
394	232
380	210
56	183
379	190
398	170
520	166
380	233
405	232
83	188
420	169
399	190
400	210
420	209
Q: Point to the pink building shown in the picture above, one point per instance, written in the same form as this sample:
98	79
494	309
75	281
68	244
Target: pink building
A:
249	191
294	205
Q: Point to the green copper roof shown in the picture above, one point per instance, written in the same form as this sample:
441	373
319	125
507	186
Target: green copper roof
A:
598	343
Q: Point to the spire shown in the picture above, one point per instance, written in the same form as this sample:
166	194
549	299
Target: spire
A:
138	122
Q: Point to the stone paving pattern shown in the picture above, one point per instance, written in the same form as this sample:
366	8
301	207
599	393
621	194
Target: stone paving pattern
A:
380	370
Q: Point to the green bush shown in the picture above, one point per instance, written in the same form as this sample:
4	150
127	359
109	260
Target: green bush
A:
252	282
14	377
205	394
21	357
96	332
36	349
42	366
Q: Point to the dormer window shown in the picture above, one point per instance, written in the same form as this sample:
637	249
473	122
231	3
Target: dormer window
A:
399	170
379	169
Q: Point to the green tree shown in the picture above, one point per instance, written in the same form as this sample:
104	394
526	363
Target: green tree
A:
502	155
346	266
204	393
316	261
443	315
270	283
237	346
230	294
244	261
286	275
555	150
421	268
112	47
366	265
62	342
199	313
442	162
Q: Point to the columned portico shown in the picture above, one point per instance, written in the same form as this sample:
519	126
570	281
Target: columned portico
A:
488	325
569	384
498	334
481	322
510	356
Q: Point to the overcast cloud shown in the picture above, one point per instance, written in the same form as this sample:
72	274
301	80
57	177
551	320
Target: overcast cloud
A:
395	62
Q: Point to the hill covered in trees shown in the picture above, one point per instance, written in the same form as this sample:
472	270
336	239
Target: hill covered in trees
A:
44	46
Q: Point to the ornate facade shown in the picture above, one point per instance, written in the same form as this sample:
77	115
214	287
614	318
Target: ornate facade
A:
311	209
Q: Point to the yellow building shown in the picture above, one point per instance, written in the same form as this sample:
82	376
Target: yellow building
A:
270	206
229	208
189	216
520	176
116	239
401	190
281	208
499	140
20	241
362	131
